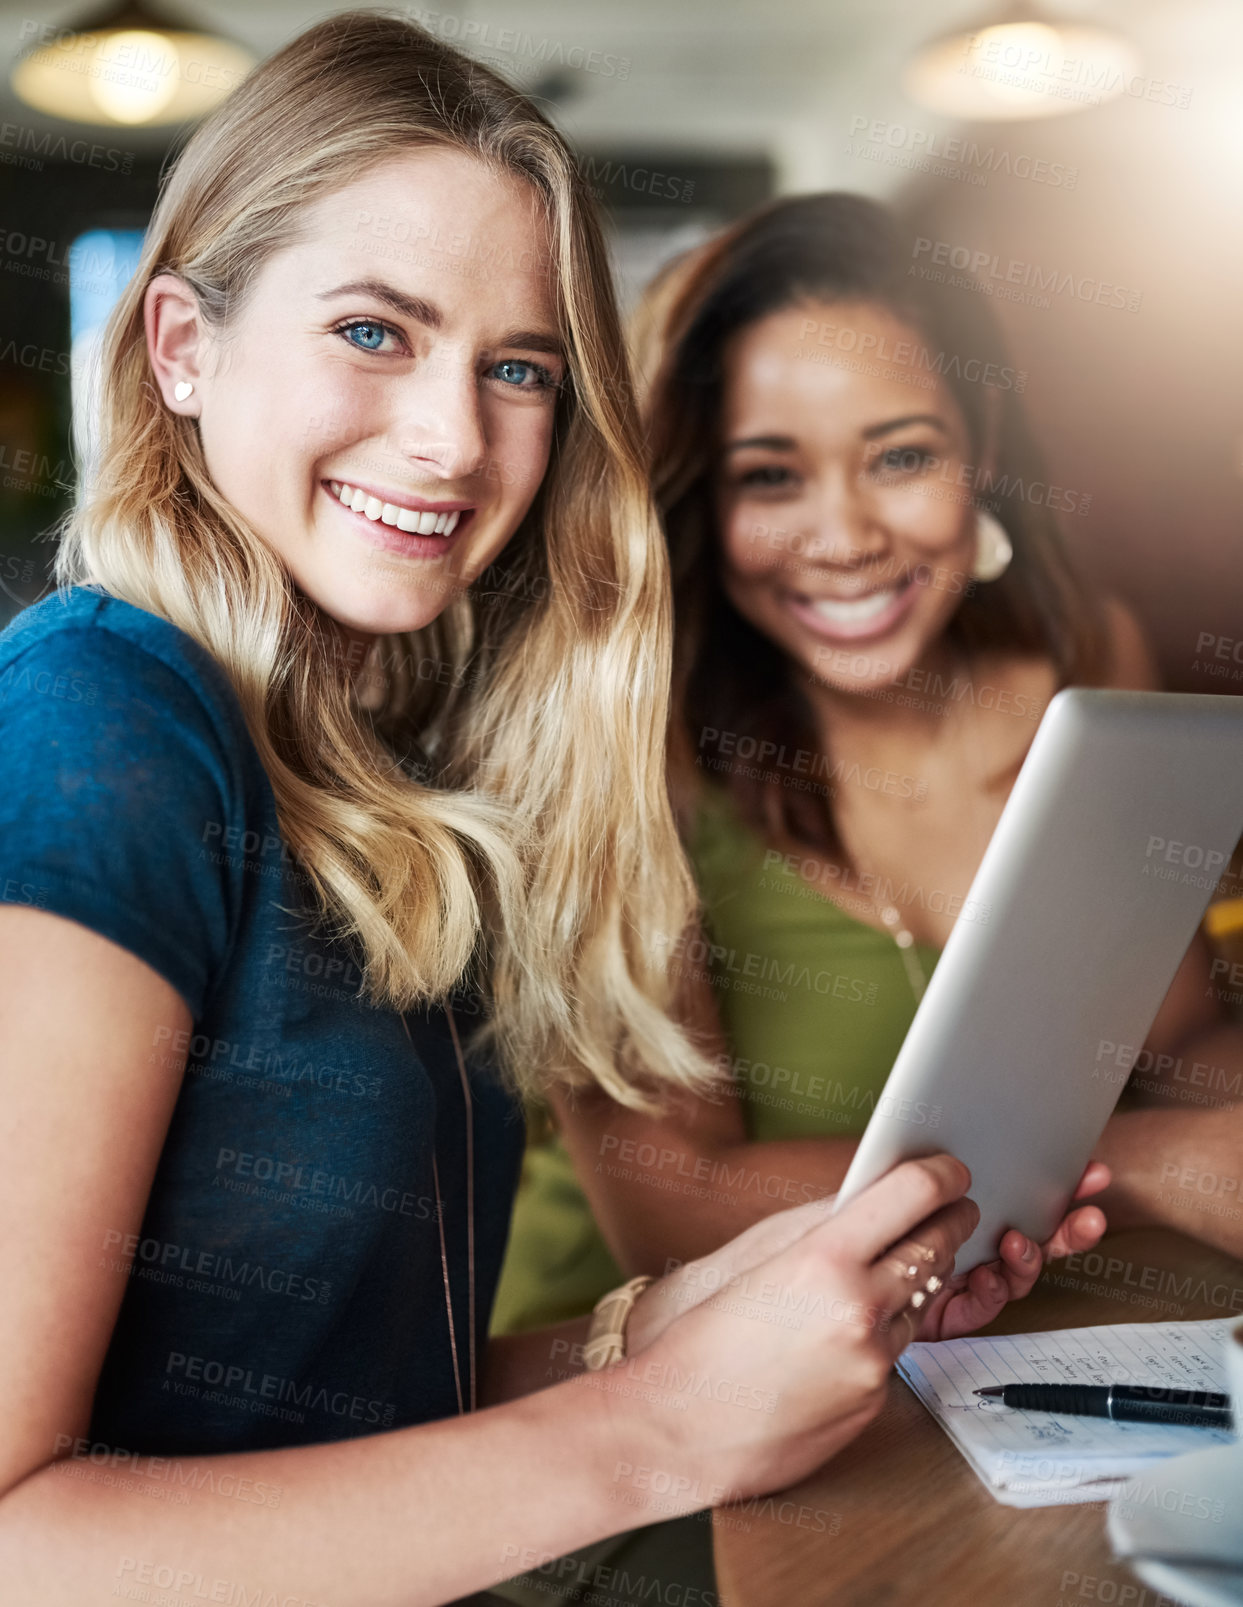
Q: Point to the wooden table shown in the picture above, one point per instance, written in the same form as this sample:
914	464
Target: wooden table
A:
899	1516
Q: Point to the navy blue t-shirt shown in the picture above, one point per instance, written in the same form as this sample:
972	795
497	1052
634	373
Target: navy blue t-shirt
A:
286	1286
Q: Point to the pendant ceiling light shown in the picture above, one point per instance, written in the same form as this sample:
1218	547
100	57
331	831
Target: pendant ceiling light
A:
128	66
1022	63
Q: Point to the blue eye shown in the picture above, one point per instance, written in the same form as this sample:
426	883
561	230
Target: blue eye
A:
543	378
368	335
371	331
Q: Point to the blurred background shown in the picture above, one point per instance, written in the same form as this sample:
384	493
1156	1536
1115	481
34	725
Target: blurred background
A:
1084	160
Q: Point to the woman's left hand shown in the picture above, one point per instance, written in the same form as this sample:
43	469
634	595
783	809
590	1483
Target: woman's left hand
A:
971	1300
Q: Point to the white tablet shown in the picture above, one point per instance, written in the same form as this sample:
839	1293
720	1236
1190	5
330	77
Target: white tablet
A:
1122	819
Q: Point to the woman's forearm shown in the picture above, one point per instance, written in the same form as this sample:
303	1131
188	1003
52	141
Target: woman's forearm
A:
416	1516
677	1202
1179	1169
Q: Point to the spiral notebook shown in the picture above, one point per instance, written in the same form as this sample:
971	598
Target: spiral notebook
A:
1040	1459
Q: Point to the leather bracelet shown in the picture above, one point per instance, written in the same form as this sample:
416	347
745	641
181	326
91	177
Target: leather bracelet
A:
606	1336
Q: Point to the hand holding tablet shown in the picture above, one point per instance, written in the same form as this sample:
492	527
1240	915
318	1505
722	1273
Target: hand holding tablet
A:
1117	830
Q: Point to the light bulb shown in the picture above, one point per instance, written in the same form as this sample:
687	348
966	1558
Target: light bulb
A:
1016	70
134	75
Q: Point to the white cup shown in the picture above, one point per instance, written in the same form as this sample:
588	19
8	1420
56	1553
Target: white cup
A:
1234	1374
1157	1524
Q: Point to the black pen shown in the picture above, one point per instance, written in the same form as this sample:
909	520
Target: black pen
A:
1125	1403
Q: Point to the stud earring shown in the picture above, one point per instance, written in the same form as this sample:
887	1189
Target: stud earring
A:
182	389
993	551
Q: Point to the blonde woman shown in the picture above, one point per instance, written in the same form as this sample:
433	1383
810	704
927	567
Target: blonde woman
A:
364	408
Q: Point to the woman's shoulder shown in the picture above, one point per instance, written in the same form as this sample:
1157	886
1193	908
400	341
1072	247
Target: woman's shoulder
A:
81	650
106	629
719	837
130	784
707	805
1024	683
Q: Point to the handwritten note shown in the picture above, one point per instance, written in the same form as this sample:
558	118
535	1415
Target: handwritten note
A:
1031	1459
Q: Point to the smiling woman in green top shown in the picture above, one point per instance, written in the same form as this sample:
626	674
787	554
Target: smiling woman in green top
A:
873	607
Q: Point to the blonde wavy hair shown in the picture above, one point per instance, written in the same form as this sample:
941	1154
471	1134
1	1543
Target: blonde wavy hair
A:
544	866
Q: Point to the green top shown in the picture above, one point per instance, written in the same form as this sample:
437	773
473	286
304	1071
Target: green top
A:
814	1005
